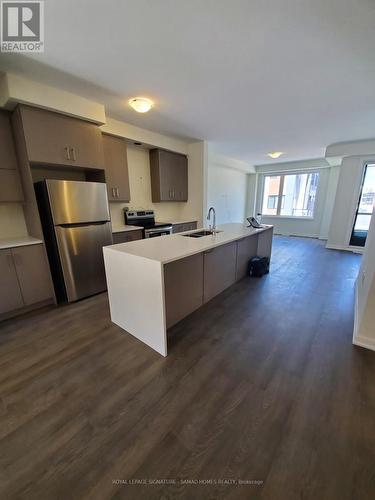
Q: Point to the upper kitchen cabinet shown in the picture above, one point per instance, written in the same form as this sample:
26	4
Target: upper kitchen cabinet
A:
169	176
55	139
8	159
10	184
116	168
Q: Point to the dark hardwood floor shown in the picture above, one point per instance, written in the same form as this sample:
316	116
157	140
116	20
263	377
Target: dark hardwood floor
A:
262	384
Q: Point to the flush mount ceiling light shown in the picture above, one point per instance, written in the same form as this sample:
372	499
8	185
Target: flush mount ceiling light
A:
275	154
141	104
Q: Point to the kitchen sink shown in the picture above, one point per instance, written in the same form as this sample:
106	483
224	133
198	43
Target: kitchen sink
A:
199	234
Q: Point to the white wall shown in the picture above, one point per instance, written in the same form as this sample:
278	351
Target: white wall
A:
252	186
123	129
12	221
194	208
317	227
333	179
364	324
227	188
16	89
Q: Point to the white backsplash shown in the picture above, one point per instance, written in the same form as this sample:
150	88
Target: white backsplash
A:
12	221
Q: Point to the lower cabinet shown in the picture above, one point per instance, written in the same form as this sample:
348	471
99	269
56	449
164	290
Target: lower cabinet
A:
10	292
246	248
193	281
126	236
183	282
25	277
219	269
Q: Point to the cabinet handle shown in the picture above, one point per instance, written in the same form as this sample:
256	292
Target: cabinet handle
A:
117	193
67	154
170	194
73	150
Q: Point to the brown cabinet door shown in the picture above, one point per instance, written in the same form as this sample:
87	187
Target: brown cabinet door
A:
10	293
166	176
55	139
10	185
8	158
246	248
180	181
219	269
183	281
33	274
126	236
169	176
116	168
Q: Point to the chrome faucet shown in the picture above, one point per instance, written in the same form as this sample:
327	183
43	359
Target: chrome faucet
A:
213	227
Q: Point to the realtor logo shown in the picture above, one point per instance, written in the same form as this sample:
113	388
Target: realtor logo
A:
22	26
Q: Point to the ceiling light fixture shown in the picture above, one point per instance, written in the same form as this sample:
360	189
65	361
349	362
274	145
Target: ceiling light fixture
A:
275	154
141	104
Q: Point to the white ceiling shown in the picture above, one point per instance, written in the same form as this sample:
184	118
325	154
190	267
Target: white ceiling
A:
251	76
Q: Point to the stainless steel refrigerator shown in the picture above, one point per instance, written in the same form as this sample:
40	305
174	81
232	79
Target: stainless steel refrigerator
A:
76	225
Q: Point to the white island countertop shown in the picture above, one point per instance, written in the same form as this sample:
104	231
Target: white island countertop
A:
177	246
136	282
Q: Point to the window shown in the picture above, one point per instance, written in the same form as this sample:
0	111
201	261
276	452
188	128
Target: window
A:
290	195
272	201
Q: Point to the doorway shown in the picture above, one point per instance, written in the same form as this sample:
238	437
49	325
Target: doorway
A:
364	208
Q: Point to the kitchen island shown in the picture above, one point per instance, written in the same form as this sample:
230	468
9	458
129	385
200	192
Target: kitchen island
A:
154	283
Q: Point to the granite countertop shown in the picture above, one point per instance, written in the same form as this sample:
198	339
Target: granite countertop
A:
18	242
176	246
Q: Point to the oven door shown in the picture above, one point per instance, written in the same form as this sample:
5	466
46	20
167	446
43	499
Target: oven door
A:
158	231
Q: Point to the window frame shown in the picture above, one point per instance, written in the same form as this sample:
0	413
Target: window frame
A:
282	176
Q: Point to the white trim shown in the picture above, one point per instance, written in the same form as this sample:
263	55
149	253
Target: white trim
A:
297	235
366	342
287	216
292	165
355	328
292	171
345	248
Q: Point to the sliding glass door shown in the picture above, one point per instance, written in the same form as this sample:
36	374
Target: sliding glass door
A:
364	208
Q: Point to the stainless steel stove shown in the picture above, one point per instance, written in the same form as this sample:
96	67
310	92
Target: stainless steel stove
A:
146	220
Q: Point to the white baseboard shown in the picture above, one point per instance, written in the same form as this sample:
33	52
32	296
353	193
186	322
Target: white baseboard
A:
345	248
367	342
295	235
